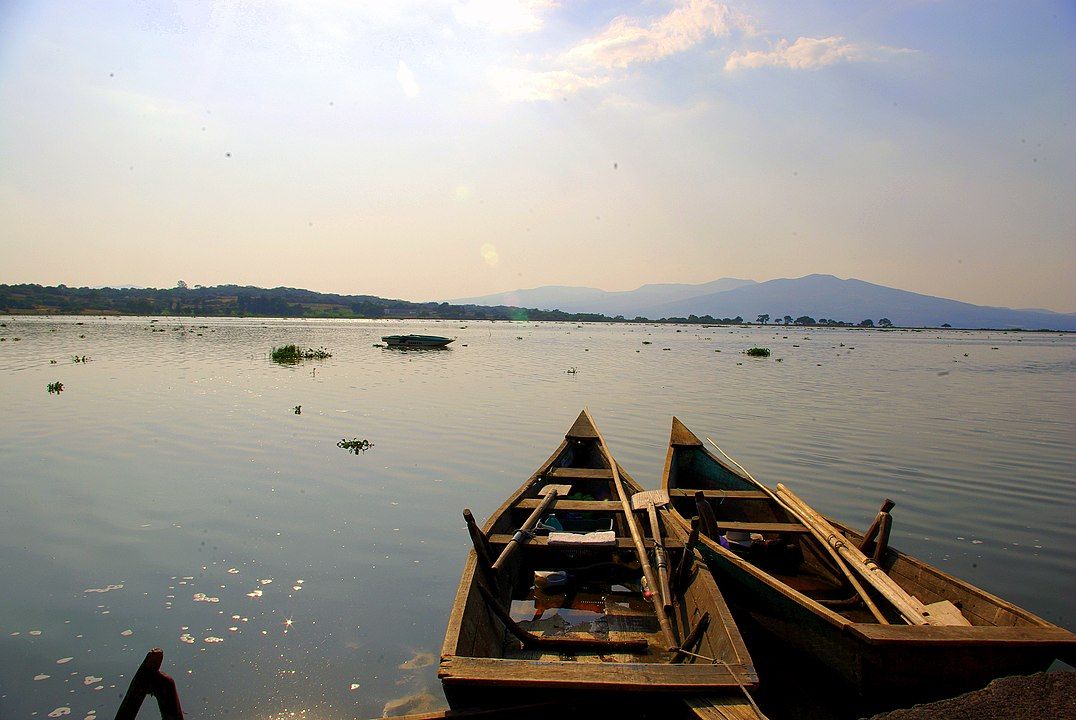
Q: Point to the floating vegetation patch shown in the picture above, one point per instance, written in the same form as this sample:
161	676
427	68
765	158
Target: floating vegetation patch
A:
55	388
355	446
757	352
294	353
79	358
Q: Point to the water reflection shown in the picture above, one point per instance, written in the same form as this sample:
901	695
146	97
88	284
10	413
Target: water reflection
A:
186	480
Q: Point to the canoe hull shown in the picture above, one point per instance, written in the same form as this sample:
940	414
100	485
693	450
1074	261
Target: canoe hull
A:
900	662
482	667
416	341
905	668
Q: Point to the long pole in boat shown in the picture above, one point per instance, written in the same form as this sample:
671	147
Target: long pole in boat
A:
637	538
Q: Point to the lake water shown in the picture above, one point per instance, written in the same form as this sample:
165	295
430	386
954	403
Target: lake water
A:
171	496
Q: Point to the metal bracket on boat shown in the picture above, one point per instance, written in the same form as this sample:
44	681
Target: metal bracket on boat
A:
522	536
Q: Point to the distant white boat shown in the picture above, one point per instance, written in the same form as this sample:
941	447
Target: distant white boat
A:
416	341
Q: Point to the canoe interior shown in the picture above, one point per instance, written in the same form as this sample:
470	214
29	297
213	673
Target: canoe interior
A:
602	598
788	594
801	562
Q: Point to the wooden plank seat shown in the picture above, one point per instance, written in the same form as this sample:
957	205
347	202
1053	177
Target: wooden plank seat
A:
645	677
624	543
720	494
565	505
562	473
761	527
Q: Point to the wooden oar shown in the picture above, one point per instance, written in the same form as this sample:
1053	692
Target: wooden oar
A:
637	538
860	590
651	500
909	607
551	494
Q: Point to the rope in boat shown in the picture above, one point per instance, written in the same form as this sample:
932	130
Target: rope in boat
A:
715	661
731	460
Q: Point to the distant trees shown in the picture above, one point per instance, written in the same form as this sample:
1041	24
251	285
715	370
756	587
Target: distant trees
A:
788	319
885	322
866	323
805	320
762	319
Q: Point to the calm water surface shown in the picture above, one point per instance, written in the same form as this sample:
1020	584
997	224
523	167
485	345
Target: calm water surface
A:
170	496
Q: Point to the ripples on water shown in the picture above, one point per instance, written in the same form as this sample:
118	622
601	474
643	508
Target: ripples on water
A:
171	497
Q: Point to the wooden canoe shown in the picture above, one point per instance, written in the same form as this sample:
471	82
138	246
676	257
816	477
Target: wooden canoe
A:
788	585
427	342
484	665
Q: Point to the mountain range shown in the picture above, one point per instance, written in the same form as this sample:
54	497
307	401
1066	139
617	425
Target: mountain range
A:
817	296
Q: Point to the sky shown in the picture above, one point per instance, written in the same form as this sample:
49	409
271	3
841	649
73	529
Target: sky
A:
433	149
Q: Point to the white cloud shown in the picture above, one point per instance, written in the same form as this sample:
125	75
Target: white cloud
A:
527	86
512	17
629	40
406	78
810	54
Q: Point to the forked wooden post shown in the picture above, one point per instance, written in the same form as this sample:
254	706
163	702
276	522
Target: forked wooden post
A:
706	515
882	545
149	680
679	577
909	607
872	531
482	549
692	638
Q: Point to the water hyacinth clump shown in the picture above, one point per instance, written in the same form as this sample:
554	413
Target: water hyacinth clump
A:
55	388
757	352
355	446
294	354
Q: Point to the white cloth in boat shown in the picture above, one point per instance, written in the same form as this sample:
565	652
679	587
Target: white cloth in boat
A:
599	537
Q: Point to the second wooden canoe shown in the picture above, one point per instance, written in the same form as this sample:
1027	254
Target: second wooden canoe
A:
784	581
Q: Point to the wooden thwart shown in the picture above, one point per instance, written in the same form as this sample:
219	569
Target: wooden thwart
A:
574	505
623	543
629	677
719	494
563	473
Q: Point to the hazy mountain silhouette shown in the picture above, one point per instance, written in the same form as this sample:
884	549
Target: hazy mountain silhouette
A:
626	302
818	296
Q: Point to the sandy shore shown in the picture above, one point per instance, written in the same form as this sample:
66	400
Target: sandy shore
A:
1042	696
